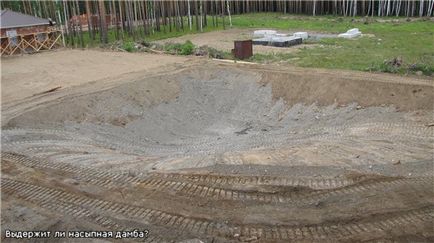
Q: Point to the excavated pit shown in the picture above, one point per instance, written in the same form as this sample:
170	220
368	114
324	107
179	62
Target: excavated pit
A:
203	117
226	154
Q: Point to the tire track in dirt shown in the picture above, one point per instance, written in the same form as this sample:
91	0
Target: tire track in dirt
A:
47	198
201	226
206	187
125	179
216	179
298	197
99	178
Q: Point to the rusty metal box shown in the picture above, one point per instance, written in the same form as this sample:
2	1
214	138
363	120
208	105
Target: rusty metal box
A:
243	49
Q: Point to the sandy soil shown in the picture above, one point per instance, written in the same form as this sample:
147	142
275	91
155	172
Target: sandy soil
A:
201	149
25	76
224	40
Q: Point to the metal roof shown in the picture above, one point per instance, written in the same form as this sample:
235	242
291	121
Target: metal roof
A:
11	19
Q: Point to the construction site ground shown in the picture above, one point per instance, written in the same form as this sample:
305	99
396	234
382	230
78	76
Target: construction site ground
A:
224	40
193	149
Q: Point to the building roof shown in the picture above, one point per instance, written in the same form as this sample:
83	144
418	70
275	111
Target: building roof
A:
11	19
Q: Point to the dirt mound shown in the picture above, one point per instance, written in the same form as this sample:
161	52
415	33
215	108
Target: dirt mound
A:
343	87
114	106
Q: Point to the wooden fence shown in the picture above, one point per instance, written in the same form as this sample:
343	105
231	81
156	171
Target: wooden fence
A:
30	43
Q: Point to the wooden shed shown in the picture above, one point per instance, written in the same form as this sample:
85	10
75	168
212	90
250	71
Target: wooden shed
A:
21	33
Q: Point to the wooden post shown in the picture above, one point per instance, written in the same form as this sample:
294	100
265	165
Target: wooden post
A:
61	30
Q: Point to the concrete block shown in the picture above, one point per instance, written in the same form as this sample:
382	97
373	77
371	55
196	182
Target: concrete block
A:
352	33
262	33
262	41
278	41
303	35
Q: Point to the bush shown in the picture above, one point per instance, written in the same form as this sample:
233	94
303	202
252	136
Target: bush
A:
187	48
145	43
396	65
129	46
214	53
388	68
172	47
424	68
176	48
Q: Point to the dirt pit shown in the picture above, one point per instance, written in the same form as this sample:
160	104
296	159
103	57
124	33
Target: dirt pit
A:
224	153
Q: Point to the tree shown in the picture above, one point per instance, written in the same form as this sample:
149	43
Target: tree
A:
77	14
229	13
89	21
189	14
103	24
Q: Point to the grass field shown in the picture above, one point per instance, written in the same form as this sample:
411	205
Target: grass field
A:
389	44
412	42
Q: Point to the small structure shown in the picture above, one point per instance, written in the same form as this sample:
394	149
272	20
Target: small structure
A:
21	33
243	49
94	20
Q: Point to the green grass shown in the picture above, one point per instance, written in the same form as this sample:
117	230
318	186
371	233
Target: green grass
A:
186	48
293	22
413	42
129	46
271	57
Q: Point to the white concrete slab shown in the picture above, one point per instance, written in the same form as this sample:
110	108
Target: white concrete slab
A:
262	33
303	35
352	33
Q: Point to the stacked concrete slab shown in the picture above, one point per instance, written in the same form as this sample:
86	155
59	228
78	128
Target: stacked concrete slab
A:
272	38
303	35
283	41
263	33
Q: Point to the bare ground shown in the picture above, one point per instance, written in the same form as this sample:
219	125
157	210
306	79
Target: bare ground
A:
24	76
223	153
224	40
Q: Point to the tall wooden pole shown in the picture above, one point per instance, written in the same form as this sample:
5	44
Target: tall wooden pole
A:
103	25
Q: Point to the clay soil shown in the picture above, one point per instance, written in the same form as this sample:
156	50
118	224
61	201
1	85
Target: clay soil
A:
199	150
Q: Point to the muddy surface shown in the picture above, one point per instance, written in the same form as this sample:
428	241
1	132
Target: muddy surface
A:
227	153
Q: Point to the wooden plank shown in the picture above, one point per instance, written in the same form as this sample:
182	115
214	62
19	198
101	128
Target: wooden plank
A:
28	44
55	41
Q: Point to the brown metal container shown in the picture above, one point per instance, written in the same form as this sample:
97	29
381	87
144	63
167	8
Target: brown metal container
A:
242	49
